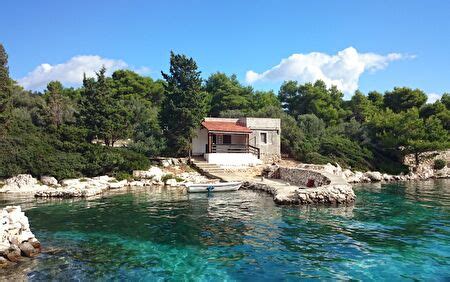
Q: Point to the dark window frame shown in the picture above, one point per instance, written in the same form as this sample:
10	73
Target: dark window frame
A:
226	139
263	140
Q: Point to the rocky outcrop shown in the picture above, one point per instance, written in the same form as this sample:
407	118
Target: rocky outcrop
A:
22	183
325	188
16	238
82	187
425	168
374	176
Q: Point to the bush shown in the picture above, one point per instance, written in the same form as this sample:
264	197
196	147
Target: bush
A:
316	158
439	164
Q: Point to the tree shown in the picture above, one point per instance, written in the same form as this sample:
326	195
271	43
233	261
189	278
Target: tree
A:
59	108
361	107
445	99
325	103
127	83
407	132
5	90
404	98
227	94
106	117
376	98
184	105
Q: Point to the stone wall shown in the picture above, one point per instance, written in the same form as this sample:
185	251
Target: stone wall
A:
326	189
301	177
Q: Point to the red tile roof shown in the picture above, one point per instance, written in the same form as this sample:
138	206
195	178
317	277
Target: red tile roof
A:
225	126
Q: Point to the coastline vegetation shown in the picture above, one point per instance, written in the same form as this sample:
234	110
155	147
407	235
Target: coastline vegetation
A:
73	132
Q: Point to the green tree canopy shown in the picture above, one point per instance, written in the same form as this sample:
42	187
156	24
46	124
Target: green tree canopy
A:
184	105
404	98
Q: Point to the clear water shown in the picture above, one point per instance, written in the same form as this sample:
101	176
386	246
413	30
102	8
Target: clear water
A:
393	232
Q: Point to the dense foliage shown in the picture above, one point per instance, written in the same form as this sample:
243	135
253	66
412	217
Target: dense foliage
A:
112	125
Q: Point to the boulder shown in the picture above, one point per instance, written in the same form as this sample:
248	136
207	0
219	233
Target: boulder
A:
48	180
27	249
118	184
166	162
36	244
171	182
374	176
21	183
136	184
4	262
154	173
13	253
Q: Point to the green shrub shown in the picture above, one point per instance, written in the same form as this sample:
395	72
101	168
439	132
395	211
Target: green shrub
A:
171	176
123	175
439	164
166	177
316	158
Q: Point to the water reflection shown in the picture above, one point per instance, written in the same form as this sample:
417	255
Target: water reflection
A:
155	233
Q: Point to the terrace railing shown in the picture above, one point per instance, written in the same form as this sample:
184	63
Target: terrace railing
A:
235	148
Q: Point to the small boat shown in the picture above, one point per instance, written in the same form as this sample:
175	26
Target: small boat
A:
213	187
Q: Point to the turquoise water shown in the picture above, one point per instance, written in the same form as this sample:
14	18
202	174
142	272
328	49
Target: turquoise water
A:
393	232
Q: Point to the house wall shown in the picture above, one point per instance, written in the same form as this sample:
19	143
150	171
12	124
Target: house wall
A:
233	159
270	151
199	142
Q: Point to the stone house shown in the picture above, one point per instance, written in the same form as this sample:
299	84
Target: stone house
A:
238	141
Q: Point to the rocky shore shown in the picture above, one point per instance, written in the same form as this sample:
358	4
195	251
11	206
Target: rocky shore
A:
299	186
16	238
375	176
170	173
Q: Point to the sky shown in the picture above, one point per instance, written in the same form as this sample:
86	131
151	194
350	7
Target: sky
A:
366	45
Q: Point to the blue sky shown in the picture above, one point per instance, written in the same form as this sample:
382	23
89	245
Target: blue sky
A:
236	37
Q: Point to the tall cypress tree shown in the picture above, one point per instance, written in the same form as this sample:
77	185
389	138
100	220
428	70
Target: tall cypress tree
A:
184	106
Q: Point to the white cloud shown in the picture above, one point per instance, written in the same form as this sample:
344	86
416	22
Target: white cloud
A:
433	97
342	69
71	72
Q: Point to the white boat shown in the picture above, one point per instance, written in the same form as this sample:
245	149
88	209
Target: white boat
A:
213	187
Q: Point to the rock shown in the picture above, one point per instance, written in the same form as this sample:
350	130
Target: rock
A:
36	244
119	184
166	163
374	176
175	162
13	253
74	183
154	173
136	184
4	262
27	249
48	180
171	182
22	183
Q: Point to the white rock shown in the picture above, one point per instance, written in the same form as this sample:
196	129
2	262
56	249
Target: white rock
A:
374	175
166	163
49	180
119	184
136	183
171	182
22	183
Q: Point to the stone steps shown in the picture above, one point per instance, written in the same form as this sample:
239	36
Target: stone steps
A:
210	170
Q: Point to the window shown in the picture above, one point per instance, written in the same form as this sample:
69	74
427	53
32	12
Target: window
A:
263	137
227	139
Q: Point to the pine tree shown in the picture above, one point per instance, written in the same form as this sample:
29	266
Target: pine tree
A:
184	106
5	90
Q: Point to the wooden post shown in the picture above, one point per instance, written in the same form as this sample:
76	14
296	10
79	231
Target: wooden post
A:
209	142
